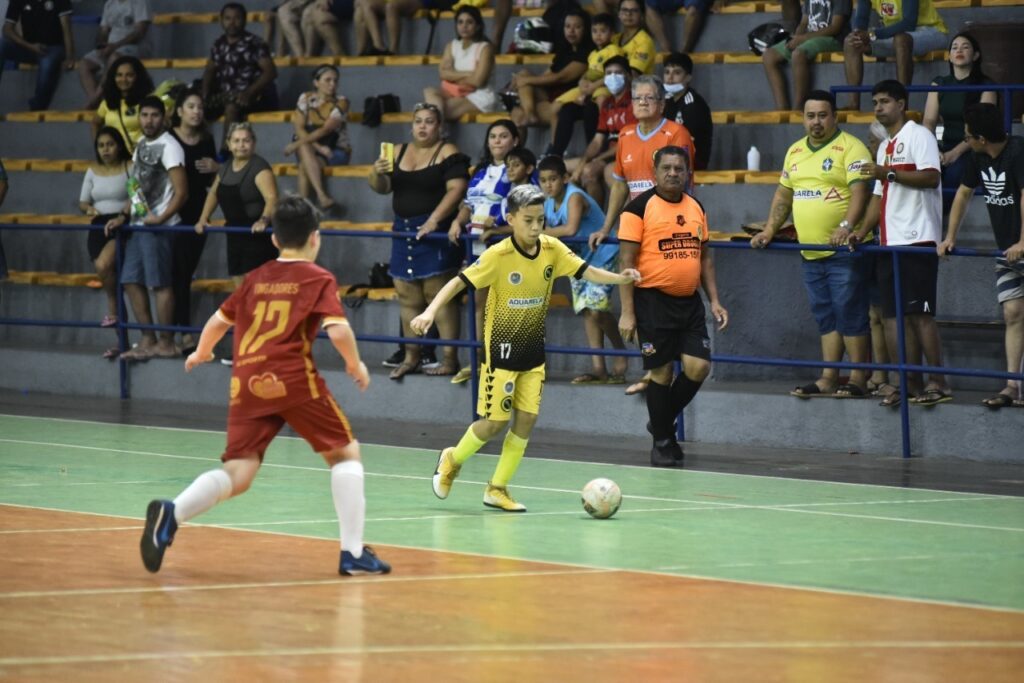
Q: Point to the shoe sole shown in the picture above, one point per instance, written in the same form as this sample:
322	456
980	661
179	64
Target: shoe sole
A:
358	572
436	479
503	509
152	553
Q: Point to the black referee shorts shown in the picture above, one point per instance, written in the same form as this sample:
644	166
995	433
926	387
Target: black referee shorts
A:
670	326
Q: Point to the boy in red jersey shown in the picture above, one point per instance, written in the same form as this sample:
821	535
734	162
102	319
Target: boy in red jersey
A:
278	310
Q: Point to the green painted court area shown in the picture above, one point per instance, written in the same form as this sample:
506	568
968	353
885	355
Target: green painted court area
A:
910	543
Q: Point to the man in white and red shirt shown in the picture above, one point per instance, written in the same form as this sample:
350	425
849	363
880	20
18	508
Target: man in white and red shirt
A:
907	208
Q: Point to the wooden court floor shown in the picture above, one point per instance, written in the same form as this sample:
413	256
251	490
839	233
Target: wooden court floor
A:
699	578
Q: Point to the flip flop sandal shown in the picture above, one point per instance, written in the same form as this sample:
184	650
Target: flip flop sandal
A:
932	397
137	354
850	391
891	400
403	370
441	370
616	379
811	390
998	401
589	378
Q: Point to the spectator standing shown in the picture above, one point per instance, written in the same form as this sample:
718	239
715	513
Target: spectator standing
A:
521	268
465	70
44	38
907	208
104	195
188	126
159	167
246	191
239	75
279	384
685	106
123	28
593	170
427	180
910	28
571	212
879	380
321	136
124	85
537	92
633	173
996	162
822	28
664	311
821	185
964	69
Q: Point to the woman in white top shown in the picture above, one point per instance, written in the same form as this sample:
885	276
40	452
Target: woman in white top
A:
104	195
465	69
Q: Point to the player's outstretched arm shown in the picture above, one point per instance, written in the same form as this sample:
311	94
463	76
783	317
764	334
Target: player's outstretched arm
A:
214	330
605	277
344	341
421	323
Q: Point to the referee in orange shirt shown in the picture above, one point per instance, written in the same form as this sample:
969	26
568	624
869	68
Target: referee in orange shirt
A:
662	234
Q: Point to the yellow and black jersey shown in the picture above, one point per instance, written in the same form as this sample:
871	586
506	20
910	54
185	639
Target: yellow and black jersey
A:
517	303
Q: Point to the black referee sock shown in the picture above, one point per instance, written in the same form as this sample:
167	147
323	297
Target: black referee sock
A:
659	407
683	391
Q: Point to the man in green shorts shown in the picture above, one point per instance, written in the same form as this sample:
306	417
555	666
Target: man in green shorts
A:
822	28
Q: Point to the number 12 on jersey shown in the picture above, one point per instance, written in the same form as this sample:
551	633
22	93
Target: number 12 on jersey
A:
274	312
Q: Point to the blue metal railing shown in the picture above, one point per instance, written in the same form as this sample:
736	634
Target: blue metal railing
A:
900	366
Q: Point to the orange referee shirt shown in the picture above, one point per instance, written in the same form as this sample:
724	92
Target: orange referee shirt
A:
634	157
671	236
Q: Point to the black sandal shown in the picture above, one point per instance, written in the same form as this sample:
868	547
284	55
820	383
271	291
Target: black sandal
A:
406	368
998	401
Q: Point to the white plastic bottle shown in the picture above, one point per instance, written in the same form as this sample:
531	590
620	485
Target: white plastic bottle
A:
753	159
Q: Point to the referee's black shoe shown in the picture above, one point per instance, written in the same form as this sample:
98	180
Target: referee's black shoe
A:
666	453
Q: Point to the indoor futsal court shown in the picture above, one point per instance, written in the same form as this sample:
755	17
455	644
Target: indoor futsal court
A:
701	576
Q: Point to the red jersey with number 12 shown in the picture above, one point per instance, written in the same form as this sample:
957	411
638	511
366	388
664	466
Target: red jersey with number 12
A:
277	312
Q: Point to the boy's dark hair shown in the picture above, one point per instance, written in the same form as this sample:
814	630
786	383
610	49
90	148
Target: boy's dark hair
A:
892	88
618	60
680	59
236	6
153	102
524	155
604	19
985	121
524	195
671	150
123	154
821	96
294	221
552	163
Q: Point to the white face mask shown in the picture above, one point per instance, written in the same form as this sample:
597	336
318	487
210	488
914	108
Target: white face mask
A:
674	88
615	82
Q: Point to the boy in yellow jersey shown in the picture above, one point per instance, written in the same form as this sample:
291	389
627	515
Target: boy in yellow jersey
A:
821	184
519	272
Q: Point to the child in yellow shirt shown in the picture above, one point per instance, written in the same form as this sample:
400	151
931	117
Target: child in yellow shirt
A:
591	86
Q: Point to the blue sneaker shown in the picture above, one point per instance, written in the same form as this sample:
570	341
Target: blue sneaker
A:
367	563
159	533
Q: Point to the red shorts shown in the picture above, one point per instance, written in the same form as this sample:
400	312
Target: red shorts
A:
319	421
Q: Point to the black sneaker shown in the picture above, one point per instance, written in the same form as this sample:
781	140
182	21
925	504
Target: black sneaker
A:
158	534
650	430
394	360
666	453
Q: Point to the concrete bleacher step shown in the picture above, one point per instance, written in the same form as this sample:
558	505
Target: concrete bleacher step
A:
720	413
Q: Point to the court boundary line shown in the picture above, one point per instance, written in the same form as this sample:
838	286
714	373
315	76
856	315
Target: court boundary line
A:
714	505
442	649
688	576
584	462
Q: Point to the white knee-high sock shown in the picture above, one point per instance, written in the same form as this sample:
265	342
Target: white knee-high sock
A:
207	490
349	503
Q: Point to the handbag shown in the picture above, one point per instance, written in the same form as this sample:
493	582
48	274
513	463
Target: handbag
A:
375	106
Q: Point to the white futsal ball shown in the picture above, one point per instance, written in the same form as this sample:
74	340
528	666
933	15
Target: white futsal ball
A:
601	498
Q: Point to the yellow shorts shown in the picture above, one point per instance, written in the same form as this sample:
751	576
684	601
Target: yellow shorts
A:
570	95
502	390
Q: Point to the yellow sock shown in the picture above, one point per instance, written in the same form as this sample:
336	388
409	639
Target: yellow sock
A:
469	444
512	451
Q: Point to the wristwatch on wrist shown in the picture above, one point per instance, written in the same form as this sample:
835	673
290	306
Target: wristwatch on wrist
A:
872	37
891	176
844	224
